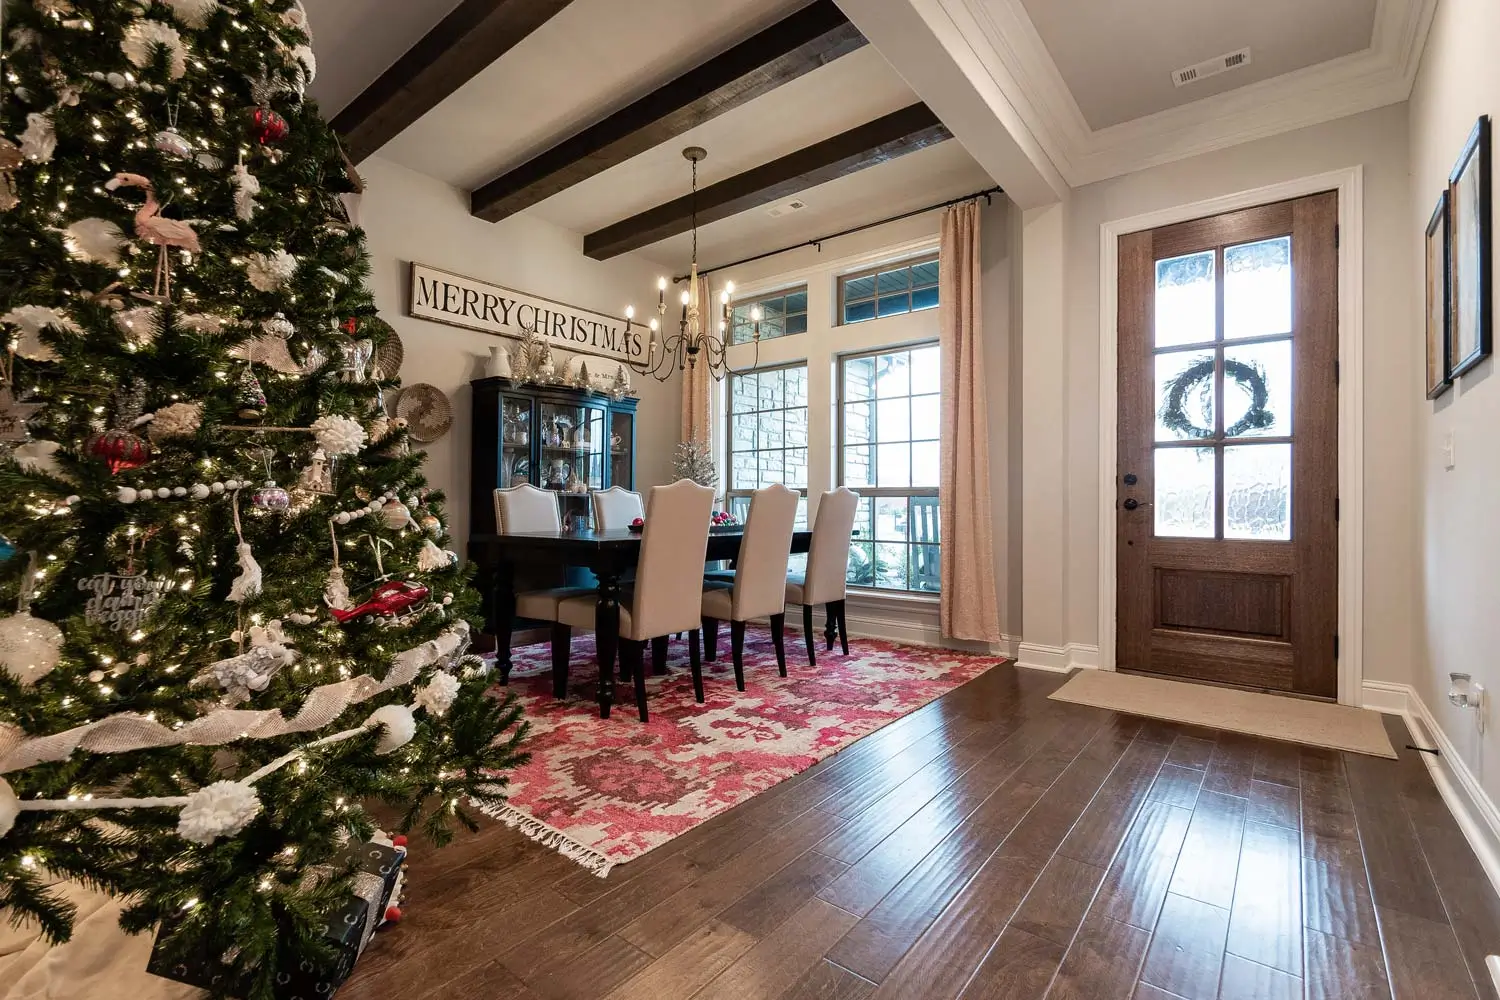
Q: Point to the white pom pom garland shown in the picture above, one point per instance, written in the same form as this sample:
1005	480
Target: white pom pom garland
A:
221	809
399	725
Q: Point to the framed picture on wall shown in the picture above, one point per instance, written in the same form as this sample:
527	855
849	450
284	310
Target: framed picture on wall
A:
1437	285
1469	322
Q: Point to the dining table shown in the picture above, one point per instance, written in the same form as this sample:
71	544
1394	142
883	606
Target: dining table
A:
610	555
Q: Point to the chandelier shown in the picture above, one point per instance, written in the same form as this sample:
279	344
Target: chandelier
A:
699	338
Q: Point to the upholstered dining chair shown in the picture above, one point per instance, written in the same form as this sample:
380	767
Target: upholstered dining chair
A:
668	584
615	508
759	587
824	581
525	508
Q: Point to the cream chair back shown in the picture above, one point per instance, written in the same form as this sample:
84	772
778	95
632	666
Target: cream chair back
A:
828	559
760	572
669	576
615	508
525	508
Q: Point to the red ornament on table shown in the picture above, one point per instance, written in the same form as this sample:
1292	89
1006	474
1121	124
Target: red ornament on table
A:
121	450
267	127
392	914
399	840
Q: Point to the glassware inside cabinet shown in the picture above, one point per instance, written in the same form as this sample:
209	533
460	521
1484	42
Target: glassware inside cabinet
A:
515	440
622	449
573	447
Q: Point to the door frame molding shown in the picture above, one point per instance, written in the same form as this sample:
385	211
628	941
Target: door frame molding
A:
1349	183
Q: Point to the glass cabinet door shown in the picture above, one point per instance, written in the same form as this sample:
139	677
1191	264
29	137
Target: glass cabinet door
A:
515	441
573	447
622	449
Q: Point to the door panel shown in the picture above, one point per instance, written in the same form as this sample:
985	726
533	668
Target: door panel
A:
1226	520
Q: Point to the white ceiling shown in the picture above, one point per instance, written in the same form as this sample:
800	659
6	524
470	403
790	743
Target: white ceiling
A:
357	40
593	58
1117	58
916	180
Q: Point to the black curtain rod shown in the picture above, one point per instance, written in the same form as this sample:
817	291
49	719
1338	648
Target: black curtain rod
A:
986	194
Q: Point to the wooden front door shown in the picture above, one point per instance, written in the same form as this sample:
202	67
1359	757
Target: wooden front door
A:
1227	484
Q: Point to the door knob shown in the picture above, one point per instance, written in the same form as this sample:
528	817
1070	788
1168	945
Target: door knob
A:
1131	503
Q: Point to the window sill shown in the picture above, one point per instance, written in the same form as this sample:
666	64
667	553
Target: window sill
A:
894	598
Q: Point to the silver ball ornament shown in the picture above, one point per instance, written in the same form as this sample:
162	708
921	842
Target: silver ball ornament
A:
29	647
396	515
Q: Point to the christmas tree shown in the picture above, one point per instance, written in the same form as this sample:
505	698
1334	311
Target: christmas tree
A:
236	618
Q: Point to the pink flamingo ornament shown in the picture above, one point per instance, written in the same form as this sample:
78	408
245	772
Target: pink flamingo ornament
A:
152	227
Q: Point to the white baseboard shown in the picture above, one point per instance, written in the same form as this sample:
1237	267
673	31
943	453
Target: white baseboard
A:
1465	797
914	629
1059	659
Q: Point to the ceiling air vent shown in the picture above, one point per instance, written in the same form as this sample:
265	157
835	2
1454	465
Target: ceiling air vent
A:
786	208
1211	67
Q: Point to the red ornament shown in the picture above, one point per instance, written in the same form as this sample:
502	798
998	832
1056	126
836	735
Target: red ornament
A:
392	914
399	840
121	450
267	127
351	326
391	599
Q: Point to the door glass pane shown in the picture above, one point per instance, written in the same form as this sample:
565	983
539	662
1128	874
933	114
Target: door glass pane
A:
1184	395
1185	492
1258	491
1258	289
1185	300
890	519
1258	390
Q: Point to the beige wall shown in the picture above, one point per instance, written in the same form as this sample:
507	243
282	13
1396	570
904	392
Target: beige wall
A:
1061	423
410	216
1456	608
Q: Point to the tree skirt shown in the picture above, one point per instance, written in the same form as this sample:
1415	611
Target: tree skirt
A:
606	791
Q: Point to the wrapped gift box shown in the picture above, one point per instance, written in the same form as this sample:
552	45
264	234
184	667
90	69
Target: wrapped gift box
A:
349	929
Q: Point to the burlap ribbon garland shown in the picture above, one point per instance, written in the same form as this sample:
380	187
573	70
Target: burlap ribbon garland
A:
128	731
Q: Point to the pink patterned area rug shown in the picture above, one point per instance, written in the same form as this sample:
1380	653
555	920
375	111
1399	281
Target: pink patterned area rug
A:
606	791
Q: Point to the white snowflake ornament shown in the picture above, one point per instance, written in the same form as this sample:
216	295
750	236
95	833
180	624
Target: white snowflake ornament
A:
438	694
269	271
338	435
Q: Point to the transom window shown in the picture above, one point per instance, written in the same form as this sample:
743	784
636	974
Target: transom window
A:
889	414
768	435
889	290
783	314
1223	392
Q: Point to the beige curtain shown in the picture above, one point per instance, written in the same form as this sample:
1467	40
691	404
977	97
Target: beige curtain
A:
969	608
696	379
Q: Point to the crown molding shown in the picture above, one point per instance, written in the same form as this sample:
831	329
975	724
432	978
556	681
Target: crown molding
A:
1004	40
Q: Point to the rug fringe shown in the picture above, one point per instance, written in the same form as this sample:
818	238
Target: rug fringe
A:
547	836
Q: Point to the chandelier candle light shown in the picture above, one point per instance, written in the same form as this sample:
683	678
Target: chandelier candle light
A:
694	338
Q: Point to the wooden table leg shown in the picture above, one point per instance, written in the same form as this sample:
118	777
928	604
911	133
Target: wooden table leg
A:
502	615
607	636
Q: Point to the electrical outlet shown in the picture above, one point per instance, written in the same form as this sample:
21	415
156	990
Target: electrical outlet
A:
1448	460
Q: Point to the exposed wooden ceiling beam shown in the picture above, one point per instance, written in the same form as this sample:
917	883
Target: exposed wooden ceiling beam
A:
799	43
470	38
896	134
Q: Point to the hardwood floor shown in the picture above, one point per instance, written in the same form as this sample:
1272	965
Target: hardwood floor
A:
993	844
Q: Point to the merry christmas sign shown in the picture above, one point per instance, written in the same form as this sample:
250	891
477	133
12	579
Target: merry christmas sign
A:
478	305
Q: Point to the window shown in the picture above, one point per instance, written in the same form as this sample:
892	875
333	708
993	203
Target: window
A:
889	416
768	435
889	291
783	314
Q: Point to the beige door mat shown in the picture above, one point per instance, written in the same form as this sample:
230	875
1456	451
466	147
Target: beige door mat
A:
1294	720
